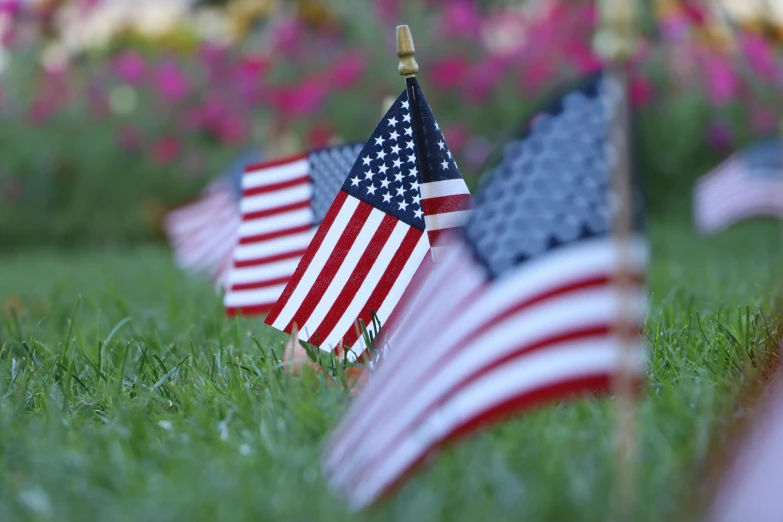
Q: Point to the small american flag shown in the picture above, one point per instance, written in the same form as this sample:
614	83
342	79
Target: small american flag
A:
522	309
203	233
372	240
282	204
751	488
749	184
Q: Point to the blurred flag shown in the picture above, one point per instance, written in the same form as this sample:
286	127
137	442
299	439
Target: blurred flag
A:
372	240
749	184
203	233
524	308
751	488
282	204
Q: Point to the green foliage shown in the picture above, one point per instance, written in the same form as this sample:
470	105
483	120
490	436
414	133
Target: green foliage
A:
125	394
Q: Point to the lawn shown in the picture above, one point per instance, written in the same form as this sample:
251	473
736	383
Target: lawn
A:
125	394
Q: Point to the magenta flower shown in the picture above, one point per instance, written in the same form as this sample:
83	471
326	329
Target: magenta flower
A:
231	129
387	11
722	81
761	56
460	19
130	66
641	91
303	99
484	77
171	83
165	150
287	34
347	70
720	136
449	72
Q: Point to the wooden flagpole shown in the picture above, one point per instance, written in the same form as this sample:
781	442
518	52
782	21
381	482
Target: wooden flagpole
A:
615	42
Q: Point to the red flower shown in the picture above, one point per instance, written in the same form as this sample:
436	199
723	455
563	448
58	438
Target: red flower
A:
449	73
165	150
641	91
347	70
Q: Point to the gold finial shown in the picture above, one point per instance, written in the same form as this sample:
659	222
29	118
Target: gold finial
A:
616	38
405	51
386	104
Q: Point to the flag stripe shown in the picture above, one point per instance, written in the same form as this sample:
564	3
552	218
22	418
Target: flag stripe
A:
274	235
343	206
288	196
445	188
448	220
293	254
271	172
266	189
305	203
441	204
256	285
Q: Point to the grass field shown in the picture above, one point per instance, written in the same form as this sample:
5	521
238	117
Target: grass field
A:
126	395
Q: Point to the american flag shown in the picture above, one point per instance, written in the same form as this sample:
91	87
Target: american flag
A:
282	204
522	309
372	240
203	233
751	488
749	184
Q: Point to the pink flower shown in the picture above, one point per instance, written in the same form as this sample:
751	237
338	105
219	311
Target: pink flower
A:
287	34
449	72
722	81
536	75
130	67
641	91
347	70
456	136
165	150
230	129
460	19
303	99
387	11
484	78
761	56
581	56
504	33
171	82
763	120
720	136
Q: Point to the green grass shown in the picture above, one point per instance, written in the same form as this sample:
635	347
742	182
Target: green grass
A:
138	400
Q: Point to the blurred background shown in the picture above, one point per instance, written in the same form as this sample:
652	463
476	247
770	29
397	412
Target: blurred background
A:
114	111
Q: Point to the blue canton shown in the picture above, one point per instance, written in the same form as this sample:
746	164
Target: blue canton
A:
552	185
233	175
328	169
385	175
436	163
764	159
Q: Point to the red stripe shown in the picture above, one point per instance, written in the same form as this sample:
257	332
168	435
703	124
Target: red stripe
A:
444	236
304	180
315	244
269	259
388	279
274	163
274	235
260	284
277	210
594	385
444	204
337	255
357	278
247	311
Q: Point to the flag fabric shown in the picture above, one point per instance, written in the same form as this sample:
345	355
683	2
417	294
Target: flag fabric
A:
203	233
523	308
373	239
751	488
283	202
747	185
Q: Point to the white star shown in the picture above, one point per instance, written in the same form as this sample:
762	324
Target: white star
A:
437	126
355	181
415	186
396	149
403	204
381	155
405	104
408	131
371	189
441	145
366	159
368	175
387	198
406	118
379	140
385	183
393	122
414	172
383	168
399	177
409	145
397	163
394	135
444	164
450	155
417	213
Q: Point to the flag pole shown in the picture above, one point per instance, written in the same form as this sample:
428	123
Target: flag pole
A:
406	52
615	43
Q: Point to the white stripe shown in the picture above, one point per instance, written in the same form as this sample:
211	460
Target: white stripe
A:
273	247
446	220
569	362
316	265
278	198
278	174
377	270
260	296
449	187
266	272
349	262
267	225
